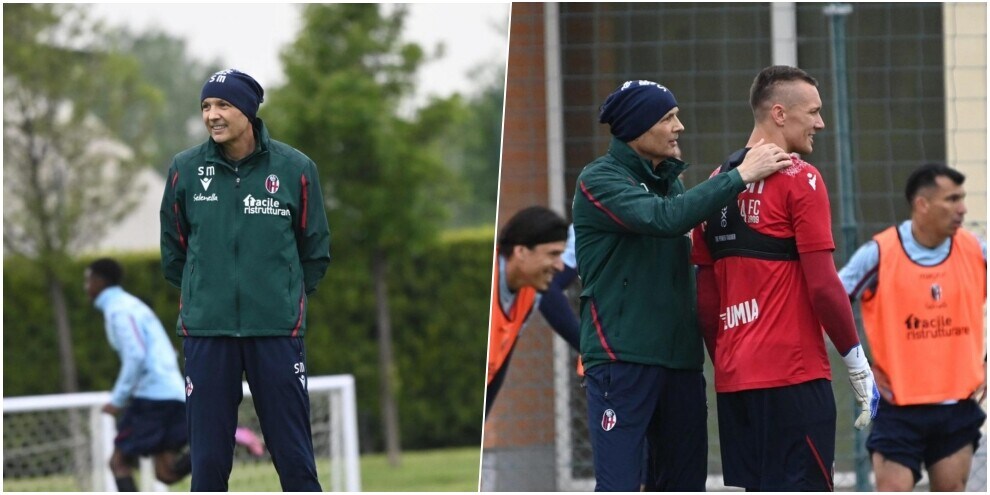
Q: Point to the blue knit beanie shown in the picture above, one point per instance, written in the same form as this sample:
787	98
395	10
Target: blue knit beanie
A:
238	88
635	107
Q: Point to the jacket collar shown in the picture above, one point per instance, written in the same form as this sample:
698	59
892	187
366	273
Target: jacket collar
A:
106	295
668	169
262	142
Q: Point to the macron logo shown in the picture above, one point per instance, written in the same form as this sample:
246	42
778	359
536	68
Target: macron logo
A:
206	182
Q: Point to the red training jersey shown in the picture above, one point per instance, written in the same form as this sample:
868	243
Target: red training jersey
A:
768	335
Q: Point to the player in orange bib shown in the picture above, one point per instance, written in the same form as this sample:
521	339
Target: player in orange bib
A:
528	256
923	288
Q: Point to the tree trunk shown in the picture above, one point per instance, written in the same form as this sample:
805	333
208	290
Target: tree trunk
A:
386	367
67	360
70	383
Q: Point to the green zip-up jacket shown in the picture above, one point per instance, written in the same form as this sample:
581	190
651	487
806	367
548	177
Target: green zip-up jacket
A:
632	238
245	242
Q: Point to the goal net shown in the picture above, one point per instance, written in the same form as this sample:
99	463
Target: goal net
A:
63	442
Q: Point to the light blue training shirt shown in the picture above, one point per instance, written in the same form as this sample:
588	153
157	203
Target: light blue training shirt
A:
860	272
570	256
149	369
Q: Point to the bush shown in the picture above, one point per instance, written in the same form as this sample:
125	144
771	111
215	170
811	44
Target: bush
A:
439	300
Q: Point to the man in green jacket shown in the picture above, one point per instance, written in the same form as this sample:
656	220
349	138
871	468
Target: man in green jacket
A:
244	235
640	343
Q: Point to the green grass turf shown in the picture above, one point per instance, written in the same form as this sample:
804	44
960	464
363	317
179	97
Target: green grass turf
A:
454	469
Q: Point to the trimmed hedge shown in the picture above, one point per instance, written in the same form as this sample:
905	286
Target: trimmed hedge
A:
439	301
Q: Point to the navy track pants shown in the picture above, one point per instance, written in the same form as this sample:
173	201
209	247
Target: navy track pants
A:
275	371
632	407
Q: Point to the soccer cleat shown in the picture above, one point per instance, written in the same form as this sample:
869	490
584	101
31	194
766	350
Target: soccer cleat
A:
244	436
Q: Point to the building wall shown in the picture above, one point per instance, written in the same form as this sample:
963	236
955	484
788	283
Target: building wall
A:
139	229
519	431
965	26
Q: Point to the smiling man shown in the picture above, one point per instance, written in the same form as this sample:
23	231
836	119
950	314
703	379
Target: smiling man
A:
244	235
767	286
528	256
640	343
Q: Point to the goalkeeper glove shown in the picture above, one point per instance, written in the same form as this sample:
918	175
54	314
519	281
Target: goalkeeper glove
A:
863	385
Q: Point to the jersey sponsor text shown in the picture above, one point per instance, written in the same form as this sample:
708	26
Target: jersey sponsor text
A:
267	206
740	314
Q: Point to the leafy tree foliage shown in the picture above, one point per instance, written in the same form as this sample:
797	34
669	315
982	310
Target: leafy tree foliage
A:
164	64
348	72
67	175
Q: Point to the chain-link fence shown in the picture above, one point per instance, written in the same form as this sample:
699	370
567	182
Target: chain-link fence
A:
63	442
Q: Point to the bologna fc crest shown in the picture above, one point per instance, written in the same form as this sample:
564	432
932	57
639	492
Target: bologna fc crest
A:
608	420
936	292
271	184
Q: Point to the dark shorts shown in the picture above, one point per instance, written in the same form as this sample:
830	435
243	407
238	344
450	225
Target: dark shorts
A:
149	427
778	439
639	411
912	435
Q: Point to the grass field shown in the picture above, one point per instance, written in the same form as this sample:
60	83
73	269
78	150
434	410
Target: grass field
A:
454	469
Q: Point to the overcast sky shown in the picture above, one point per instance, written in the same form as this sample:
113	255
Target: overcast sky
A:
249	36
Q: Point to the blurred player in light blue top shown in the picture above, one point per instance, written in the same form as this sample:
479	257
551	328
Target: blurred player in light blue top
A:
149	391
149	368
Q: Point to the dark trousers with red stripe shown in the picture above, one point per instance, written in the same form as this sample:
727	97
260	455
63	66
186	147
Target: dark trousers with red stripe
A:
275	370
778	439
635	407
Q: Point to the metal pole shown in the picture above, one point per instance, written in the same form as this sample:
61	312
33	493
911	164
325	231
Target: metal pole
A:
836	14
783	25
556	199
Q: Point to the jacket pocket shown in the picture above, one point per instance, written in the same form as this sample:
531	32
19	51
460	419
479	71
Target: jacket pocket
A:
621	315
288	291
271	303
187	292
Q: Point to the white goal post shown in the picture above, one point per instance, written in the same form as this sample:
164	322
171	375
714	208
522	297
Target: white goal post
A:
64	441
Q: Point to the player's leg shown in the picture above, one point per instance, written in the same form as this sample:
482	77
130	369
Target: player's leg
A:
171	464
950	451
276	372
678	434
740	435
123	472
896	444
213	369
891	475
950	473
800	437
621	401
780	438
164	463
121	463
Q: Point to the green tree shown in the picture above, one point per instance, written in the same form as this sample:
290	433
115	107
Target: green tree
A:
165	64
67	176
347	72
472	144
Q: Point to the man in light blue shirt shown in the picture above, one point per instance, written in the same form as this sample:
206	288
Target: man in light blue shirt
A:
941	431
149	391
